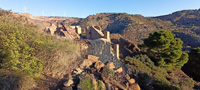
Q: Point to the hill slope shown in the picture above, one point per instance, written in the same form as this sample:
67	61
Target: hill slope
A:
188	22
133	27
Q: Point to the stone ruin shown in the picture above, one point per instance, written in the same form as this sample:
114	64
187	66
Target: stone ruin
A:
70	32
51	28
77	29
102	43
94	33
103	49
126	47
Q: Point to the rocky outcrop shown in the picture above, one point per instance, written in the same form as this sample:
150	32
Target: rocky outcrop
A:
99	77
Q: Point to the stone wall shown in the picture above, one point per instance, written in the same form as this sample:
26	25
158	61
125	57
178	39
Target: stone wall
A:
94	33
102	48
52	29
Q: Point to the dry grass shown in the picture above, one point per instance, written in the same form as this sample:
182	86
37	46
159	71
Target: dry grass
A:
57	55
15	81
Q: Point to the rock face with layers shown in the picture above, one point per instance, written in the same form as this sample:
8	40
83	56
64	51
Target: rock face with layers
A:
102	48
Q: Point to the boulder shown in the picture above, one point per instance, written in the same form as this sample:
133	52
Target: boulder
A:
119	70
93	58
134	87
131	81
68	83
77	71
127	77
98	65
110	65
86	63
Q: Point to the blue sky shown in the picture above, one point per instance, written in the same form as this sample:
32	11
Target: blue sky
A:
83	8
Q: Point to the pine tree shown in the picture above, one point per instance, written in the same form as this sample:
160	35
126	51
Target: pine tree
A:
166	50
193	65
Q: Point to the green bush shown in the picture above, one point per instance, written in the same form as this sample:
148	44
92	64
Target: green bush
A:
150	76
137	65
109	73
162	84
166	50
27	51
184	83
87	84
15	53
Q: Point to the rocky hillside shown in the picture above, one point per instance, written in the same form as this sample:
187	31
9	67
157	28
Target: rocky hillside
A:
133	27
186	18
184	24
188	24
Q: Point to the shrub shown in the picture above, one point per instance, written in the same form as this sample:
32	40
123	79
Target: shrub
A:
27	51
87	84
150	76
162	84
184	83
15	81
15	53
108	73
165	50
137	65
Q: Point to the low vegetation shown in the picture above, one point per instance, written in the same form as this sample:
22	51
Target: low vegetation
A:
26	51
158	71
86	84
150	76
